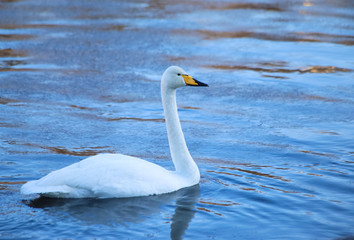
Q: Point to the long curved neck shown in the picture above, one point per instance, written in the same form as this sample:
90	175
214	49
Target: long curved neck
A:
181	157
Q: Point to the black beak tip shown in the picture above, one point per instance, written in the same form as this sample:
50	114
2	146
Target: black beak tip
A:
200	84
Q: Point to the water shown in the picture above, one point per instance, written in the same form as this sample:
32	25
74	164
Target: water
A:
272	135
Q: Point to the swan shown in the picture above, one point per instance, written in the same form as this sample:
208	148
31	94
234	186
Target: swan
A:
120	176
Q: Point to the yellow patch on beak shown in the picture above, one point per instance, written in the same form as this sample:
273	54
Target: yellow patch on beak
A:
189	80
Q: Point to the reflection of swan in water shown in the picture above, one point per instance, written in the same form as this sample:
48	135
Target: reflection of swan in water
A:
124	210
184	212
117	175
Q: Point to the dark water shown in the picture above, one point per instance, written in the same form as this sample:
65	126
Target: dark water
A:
272	135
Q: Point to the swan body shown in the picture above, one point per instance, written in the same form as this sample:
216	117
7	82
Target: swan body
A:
117	175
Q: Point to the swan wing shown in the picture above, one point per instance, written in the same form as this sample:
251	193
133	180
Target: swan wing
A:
104	176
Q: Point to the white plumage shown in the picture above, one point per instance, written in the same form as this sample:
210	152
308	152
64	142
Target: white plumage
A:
117	175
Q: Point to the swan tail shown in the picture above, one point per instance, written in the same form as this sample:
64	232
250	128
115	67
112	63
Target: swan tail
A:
32	187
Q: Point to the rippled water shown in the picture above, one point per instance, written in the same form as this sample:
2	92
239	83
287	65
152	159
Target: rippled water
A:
272	135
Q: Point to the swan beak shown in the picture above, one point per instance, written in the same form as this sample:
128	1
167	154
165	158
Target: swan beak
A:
193	82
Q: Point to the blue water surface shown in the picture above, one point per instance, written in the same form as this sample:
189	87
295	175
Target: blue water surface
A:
272	135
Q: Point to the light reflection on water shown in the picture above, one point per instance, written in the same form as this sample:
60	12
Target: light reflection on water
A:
272	135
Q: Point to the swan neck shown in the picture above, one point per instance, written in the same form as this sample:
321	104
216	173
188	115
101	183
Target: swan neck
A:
181	157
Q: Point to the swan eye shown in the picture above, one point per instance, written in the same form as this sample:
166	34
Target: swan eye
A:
178	74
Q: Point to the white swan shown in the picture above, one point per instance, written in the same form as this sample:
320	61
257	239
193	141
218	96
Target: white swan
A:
117	175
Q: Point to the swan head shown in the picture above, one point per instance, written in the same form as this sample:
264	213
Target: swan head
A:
175	77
